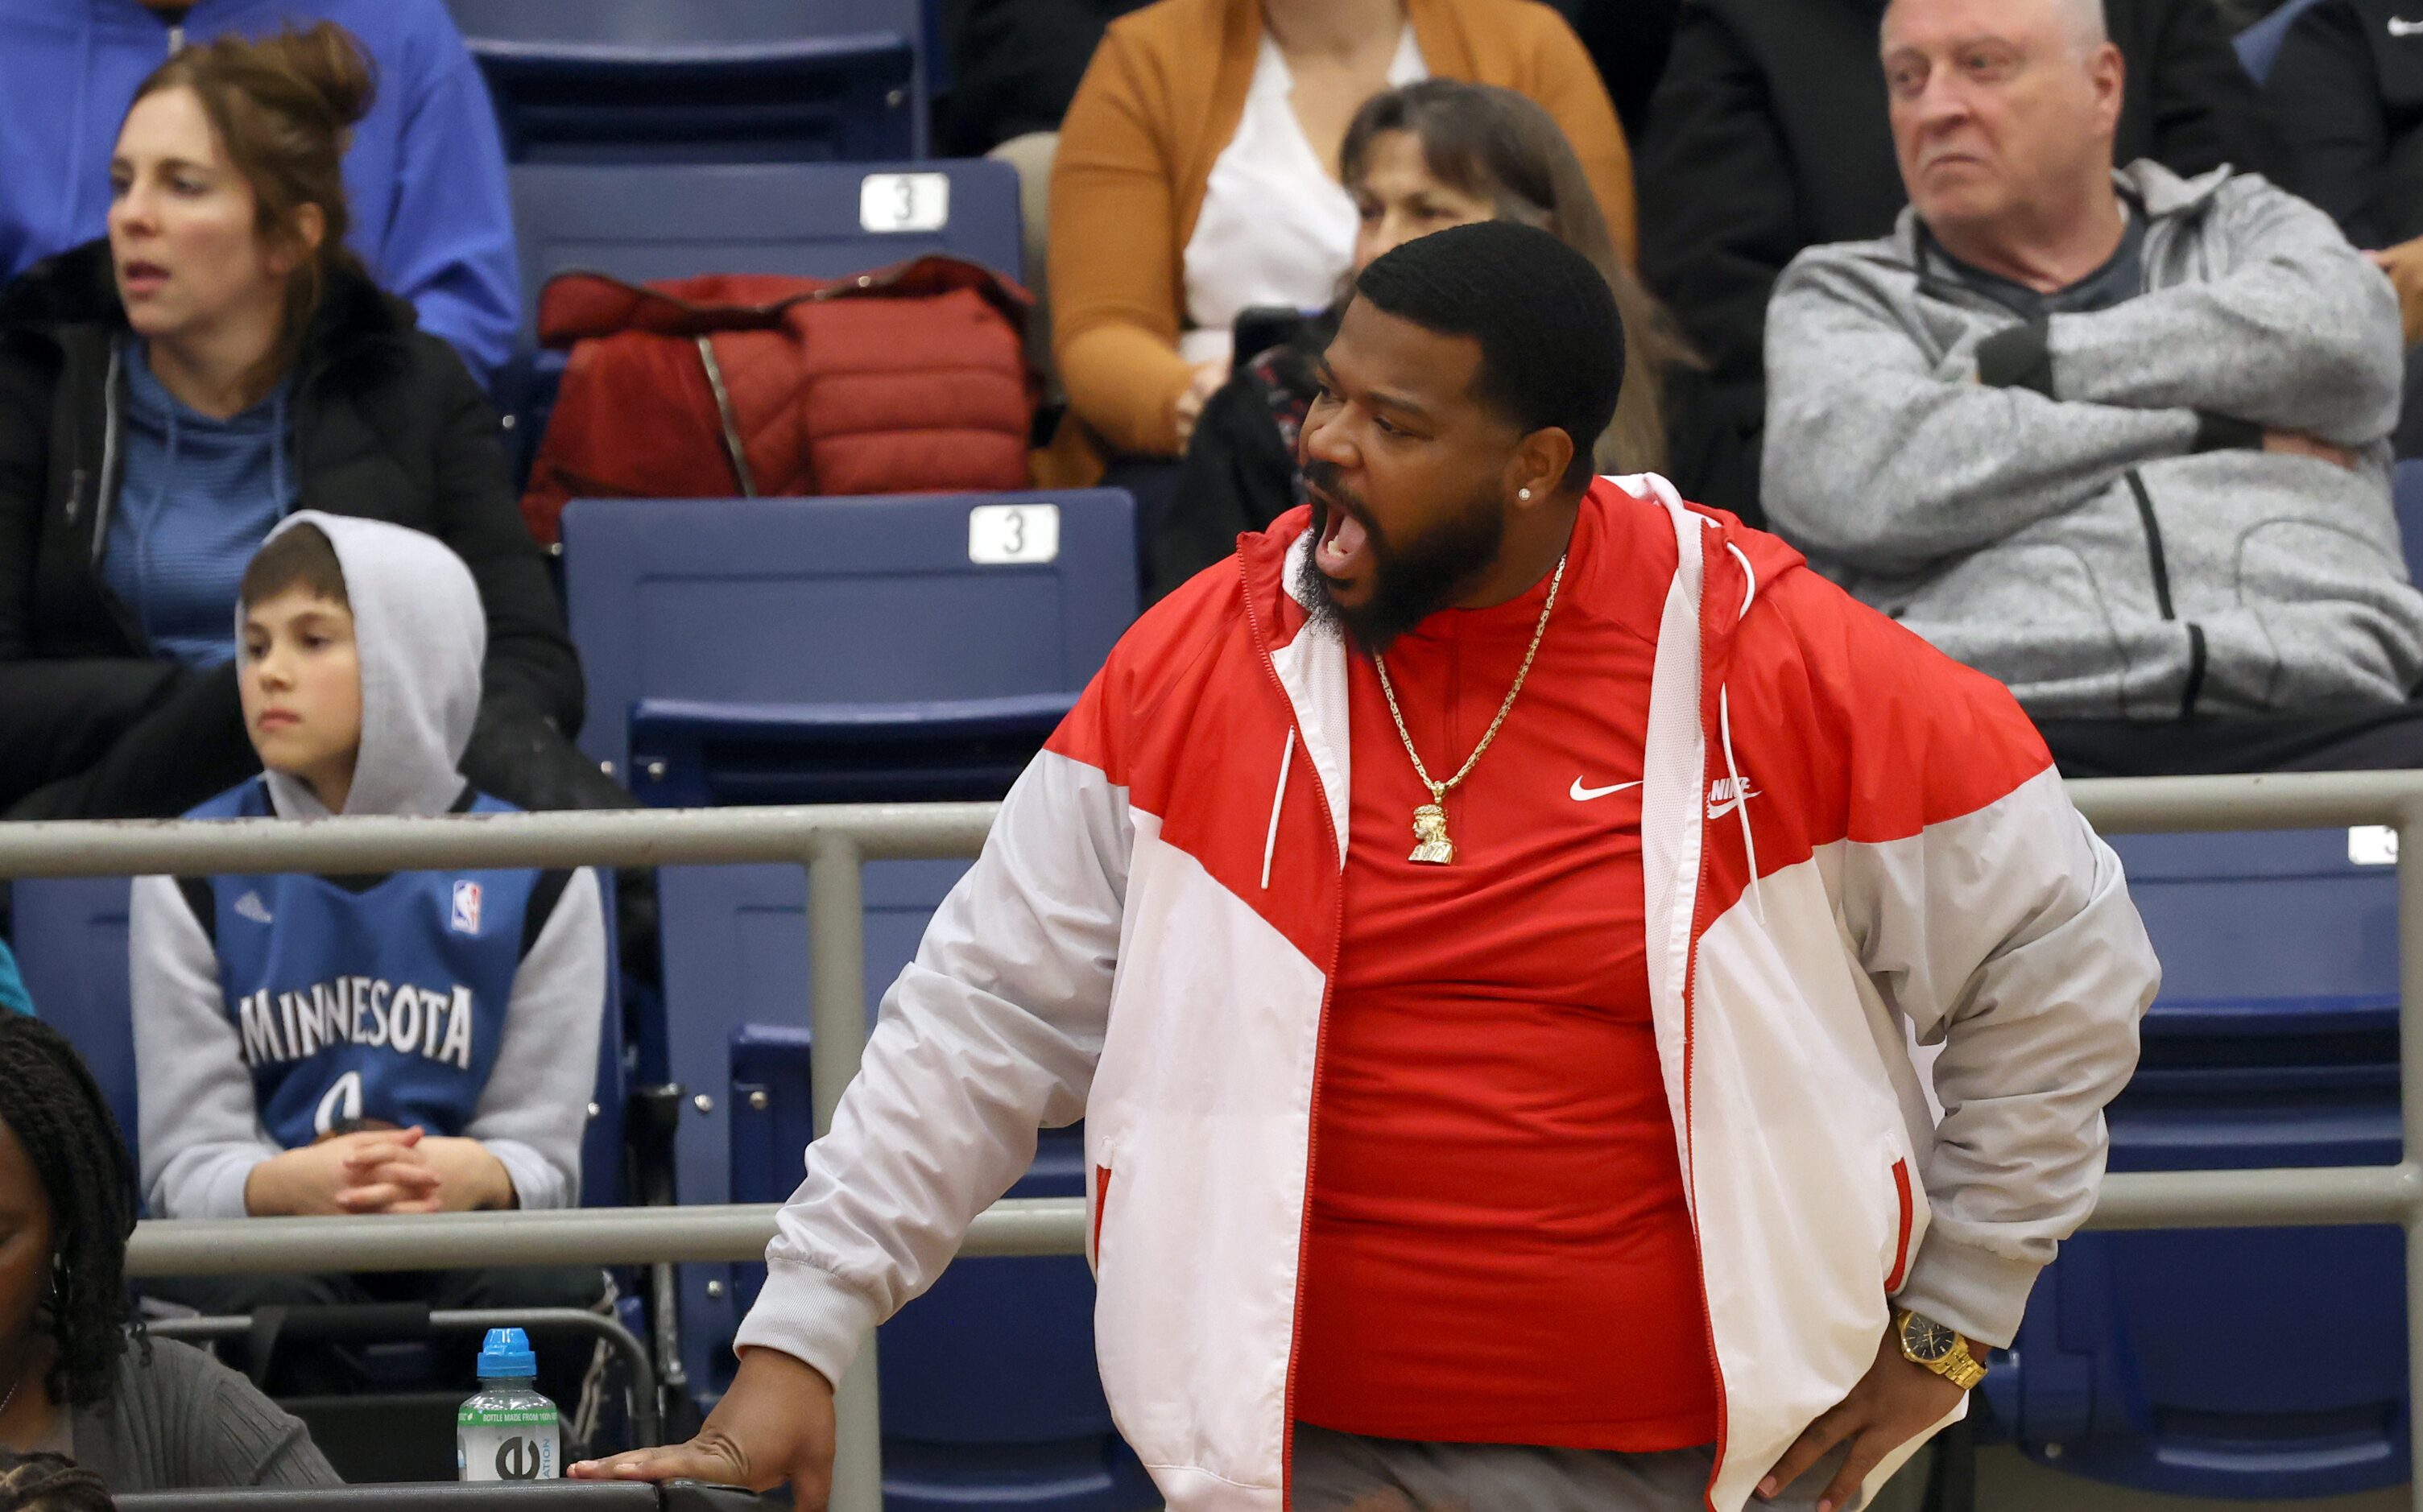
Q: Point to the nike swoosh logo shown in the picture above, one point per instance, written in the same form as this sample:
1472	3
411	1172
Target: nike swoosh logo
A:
2405	28
1718	811
1583	795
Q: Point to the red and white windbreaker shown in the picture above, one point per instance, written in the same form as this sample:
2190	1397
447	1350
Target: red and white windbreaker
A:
1848	840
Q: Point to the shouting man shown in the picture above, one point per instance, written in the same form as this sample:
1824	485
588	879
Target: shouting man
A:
1491	1031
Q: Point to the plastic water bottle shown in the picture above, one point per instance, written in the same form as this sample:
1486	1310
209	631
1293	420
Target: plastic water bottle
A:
508	1431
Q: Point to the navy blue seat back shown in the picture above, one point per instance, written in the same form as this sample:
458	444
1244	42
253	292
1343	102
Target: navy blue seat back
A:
2169	1361
985	1381
2406	498
844	604
644	221
70	942
641	221
702	81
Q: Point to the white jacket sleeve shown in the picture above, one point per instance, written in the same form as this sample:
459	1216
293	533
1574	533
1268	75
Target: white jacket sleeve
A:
990	1033
2007	936
200	1125
535	1105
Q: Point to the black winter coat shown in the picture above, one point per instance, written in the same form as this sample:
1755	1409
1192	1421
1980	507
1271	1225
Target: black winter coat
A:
388	426
2348	88
1768	133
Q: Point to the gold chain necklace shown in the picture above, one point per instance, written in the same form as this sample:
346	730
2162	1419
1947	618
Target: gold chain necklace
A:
1430	821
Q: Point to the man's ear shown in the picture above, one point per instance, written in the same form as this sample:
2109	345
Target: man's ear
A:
1539	464
2110	75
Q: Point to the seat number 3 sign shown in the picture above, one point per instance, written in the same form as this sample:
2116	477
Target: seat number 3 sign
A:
1004	535
889	202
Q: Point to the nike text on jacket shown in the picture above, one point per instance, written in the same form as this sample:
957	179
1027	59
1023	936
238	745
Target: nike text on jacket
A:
1846	839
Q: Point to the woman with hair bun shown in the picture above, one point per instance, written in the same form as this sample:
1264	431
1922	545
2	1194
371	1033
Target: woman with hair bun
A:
170	393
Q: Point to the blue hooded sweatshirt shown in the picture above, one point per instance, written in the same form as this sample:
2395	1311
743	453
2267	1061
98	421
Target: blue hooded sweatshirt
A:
426	175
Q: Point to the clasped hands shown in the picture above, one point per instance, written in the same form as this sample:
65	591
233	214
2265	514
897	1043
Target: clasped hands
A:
379	1171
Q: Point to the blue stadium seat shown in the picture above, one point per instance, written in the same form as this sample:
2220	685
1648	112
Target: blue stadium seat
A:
643	221
761	615
71	941
2259	44
2169	1361
70	934
2406	497
989	1395
869	616
702	81
652	220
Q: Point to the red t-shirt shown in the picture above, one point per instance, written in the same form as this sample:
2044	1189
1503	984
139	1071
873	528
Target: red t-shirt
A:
1499	1250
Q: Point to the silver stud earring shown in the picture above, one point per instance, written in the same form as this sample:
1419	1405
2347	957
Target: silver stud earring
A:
1524	493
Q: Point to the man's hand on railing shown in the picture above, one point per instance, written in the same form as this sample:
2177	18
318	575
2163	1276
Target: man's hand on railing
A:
775	1425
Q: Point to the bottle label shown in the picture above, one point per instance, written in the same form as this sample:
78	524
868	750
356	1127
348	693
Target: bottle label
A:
507	1443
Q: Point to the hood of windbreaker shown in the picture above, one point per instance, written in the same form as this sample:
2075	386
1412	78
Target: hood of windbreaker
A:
421	635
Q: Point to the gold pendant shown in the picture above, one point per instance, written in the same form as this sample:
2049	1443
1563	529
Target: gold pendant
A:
1430	830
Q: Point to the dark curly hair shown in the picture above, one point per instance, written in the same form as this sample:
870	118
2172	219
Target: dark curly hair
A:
48	1098
48	1482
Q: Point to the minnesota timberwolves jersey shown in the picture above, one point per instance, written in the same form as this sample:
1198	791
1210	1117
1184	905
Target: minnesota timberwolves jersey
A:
374	997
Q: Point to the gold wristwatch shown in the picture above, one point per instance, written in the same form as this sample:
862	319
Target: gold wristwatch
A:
1938	1348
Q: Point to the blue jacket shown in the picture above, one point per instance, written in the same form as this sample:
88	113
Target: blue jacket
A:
426	175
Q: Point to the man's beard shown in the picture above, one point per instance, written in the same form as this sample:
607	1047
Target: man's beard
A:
1410	582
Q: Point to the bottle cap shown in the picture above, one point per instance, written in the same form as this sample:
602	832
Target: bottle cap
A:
506	1354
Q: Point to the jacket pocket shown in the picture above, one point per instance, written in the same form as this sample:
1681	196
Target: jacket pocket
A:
1904	1213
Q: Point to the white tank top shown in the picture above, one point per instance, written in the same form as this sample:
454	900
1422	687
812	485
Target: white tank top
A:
1275	229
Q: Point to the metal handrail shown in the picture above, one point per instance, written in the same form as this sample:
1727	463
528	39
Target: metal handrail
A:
646	1424
831	841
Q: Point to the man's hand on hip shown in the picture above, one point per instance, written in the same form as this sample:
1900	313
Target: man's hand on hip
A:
775	1425
1893	1402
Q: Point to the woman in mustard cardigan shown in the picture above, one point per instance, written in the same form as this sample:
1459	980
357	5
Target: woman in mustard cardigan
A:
1196	176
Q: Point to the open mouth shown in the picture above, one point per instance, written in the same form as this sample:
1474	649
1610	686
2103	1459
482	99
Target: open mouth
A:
1344	546
142	277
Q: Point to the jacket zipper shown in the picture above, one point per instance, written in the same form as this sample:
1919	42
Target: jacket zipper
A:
113	410
1691	1066
1691	1150
1320	1053
2158	565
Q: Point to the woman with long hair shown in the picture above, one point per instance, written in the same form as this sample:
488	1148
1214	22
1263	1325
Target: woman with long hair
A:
1417	160
169	393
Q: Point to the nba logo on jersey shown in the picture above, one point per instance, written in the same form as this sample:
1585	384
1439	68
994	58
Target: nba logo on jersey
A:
467	908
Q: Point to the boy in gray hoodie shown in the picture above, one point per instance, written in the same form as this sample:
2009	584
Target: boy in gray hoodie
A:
412	1042
2118	439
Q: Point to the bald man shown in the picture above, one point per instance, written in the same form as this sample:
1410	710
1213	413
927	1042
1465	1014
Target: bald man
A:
2117	438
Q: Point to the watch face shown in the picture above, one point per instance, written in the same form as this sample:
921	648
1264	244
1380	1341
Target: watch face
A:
1925	1339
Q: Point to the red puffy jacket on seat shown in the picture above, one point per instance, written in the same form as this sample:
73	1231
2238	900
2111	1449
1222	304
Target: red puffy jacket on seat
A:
910	379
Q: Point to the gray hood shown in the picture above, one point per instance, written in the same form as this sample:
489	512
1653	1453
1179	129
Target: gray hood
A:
422	636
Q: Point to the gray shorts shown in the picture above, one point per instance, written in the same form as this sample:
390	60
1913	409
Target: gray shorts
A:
1337	1471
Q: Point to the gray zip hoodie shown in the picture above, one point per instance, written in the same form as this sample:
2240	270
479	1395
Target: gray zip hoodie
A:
420	637
2092	521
